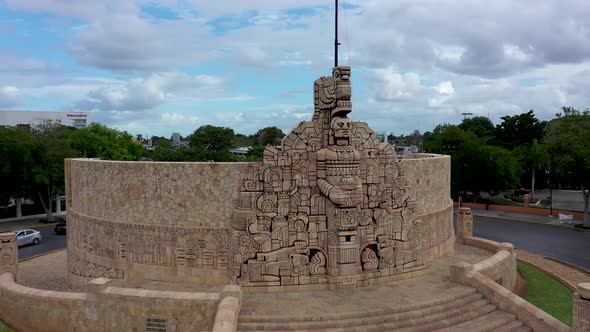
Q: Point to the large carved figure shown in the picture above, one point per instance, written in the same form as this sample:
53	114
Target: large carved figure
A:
330	207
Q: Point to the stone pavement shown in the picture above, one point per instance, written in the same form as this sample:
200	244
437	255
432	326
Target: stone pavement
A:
435	284
47	272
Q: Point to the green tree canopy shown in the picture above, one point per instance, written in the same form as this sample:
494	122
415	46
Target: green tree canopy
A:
211	143
16	162
481	126
269	135
518	130
475	166
51	147
568	138
99	141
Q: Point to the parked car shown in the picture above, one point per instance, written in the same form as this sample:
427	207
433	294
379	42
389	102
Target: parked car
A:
27	236
60	228
56	219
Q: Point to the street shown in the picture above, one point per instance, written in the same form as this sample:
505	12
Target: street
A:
49	242
563	244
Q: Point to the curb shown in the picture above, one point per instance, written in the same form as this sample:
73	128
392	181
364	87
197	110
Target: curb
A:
27	227
549	273
573	267
43	254
532	222
31	216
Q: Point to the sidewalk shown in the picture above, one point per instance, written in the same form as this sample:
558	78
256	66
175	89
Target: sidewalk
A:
525	217
32	221
568	275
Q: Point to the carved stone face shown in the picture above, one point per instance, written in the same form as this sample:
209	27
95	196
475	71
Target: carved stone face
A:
341	127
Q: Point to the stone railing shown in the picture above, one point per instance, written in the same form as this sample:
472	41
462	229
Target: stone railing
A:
226	319
501	267
581	308
495	277
105	307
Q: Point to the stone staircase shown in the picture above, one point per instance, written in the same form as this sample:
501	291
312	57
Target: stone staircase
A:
468	312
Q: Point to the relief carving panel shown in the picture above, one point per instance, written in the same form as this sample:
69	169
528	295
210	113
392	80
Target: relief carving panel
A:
332	189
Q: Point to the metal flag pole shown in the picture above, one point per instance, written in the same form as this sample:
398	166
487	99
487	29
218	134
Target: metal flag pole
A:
336	43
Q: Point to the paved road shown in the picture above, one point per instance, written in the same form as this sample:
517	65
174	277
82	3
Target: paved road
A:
566	245
49	242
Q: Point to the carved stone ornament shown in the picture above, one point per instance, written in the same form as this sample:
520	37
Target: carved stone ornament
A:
8	253
331	190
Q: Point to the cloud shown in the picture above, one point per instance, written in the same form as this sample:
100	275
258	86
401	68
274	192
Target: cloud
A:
416	63
80	9
391	86
254	57
9	96
142	94
130	43
472	38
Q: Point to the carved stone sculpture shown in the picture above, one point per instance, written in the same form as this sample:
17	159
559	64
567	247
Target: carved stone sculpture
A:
331	190
8	253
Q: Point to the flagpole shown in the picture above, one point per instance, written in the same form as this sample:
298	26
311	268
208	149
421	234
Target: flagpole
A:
336	43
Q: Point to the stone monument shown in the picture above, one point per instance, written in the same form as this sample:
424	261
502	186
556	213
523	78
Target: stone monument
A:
331	205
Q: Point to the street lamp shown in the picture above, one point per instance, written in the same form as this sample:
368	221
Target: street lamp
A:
548	172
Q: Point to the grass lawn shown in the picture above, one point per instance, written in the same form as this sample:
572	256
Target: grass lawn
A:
547	293
4	328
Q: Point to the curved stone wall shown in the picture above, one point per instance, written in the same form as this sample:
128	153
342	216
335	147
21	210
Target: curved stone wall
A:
137	221
429	175
151	221
175	194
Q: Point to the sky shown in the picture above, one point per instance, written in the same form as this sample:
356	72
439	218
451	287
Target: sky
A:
157	67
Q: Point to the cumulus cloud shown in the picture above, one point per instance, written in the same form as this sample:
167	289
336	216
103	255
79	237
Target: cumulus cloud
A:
139	94
87	9
416	63
130	43
9	96
490	39
391	86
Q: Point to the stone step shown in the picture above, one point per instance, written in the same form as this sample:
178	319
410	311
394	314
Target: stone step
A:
523	328
438	317
460	299
488	322
451	321
510	326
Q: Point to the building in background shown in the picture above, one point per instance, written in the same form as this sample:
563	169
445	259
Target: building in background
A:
178	142
36	118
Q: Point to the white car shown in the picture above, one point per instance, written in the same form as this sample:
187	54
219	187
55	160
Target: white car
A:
27	236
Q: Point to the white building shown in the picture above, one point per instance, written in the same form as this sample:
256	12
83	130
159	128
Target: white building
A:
35	118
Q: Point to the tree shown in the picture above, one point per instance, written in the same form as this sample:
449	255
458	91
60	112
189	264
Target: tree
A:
16	163
255	153
568	139
242	140
475	166
481	126
50	148
99	141
165	151
518	130
269	135
532	158
211	143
